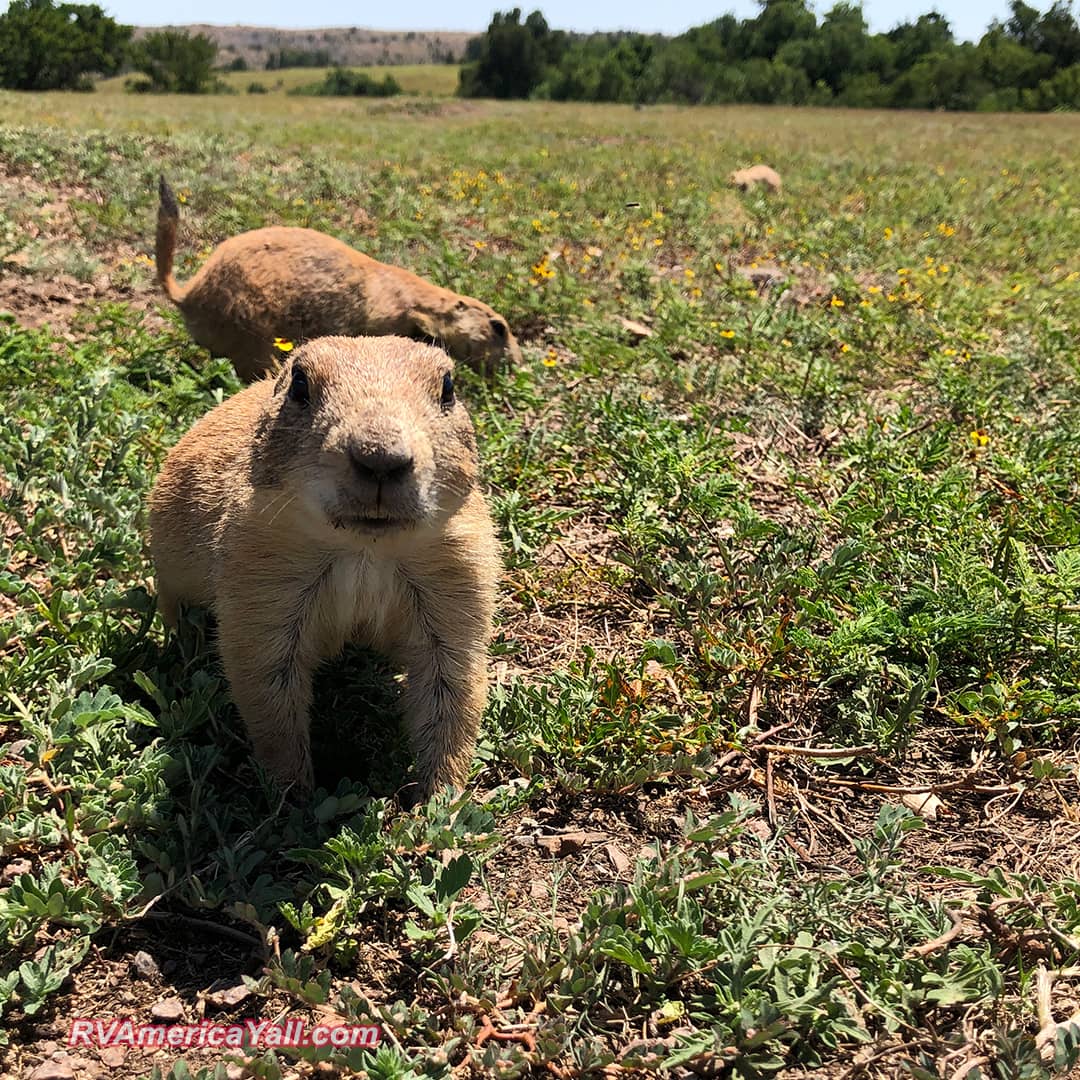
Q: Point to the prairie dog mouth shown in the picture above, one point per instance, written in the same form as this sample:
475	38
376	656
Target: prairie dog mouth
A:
370	523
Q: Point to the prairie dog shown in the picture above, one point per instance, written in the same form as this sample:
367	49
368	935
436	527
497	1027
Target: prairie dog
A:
297	284
337	502
744	179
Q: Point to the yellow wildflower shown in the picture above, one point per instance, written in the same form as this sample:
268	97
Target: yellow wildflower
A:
552	357
888	233
727	333
836	302
874	289
479	244
979	437
283	344
689	274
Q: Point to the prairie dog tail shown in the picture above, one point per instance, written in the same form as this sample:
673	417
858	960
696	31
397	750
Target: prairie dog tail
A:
168	220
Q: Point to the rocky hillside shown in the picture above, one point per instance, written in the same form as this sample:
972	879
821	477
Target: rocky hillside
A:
351	46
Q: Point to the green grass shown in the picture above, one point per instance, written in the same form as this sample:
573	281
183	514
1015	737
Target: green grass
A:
841	513
439	80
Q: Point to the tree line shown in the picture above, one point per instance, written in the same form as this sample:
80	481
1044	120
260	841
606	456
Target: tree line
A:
786	55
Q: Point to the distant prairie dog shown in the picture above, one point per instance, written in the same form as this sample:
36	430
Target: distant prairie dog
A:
745	179
299	284
337	502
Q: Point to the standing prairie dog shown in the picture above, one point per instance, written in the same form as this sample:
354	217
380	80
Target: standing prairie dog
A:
337	502
745	179
299	284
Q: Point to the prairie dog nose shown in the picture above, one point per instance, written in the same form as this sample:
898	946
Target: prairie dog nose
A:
381	465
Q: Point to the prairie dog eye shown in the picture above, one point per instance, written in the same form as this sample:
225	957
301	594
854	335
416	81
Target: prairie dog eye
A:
499	328
299	391
447	398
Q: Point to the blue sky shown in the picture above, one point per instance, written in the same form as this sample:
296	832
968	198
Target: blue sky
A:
968	18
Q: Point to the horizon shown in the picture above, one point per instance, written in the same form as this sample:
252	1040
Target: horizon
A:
968	19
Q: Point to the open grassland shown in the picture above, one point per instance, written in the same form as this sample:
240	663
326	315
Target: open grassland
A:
438	80
788	492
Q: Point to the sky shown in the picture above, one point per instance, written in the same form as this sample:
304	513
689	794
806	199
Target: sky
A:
968	18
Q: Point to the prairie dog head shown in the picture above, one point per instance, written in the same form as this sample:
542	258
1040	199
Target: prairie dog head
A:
471	330
367	436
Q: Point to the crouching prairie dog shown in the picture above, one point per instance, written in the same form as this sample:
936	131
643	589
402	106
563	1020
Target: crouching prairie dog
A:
745	179
337	502
299	284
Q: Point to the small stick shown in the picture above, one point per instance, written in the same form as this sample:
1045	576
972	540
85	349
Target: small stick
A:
817	751
938	942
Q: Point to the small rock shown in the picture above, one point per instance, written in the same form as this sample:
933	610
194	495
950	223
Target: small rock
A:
145	966
168	1011
14	869
230	998
113	1056
235	1072
619	861
53	1070
638	331
568	843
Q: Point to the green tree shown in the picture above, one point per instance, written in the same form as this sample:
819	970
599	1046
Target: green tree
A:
47	46
175	62
511	59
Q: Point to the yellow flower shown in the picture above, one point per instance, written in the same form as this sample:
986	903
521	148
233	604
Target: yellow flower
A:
865	303
586	302
979	437
537	224
689	274
1017	288
727	333
479	244
552	357
657	242
845	347
945	229
785	342
283	344
891	297
948	352
695	292
874	289
836	302
888	233
903	271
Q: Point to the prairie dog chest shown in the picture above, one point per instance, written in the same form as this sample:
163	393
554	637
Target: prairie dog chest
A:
360	599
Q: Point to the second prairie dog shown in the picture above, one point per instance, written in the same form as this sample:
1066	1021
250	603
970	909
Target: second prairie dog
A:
298	284
744	179
337	502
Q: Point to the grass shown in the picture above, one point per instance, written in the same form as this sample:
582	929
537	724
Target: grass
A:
777	568
439	80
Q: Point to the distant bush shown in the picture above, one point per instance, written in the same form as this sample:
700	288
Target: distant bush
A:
344	83
175	62
257	88
298	58
238	63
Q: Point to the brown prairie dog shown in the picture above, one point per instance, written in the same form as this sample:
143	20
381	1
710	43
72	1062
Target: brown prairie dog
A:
337	502
300	284
745	179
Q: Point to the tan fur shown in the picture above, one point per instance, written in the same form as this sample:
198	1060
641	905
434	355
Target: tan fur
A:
300	284
744	179
356	517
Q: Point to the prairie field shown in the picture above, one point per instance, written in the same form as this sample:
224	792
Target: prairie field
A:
778	775
419	79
